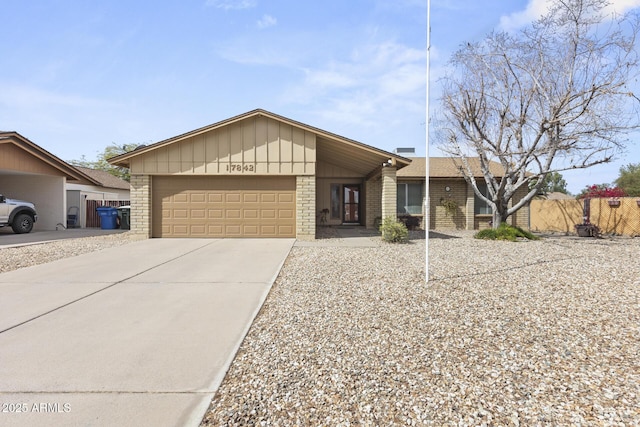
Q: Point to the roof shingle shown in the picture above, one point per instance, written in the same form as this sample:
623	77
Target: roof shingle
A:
444	167
105	178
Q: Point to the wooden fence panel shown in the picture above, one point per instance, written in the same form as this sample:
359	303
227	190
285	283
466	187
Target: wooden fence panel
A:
93	219
563	215
555	215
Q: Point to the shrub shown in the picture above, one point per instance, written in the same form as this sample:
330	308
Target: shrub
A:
393	231
504	232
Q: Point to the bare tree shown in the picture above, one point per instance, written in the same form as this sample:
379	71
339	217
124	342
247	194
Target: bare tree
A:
552	97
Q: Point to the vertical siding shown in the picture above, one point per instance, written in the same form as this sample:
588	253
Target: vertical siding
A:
254	146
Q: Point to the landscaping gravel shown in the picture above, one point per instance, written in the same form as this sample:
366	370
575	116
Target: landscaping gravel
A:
13	258
516	334
528	333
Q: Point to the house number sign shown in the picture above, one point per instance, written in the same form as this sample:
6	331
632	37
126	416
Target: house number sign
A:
239	167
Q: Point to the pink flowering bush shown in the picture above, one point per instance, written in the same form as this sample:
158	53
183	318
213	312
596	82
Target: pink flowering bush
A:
601	190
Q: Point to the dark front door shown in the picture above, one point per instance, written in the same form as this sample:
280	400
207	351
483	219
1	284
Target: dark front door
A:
351	203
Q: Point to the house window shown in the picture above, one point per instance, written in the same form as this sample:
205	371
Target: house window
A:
335	202
410	198
481	207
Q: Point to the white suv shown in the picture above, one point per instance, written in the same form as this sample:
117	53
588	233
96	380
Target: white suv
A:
18	214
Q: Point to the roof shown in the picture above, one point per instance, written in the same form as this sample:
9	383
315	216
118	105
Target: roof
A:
556	195
445	167
105	179
334	143
65	169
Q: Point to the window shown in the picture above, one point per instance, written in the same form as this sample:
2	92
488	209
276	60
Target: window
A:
480	206
410	198
335	201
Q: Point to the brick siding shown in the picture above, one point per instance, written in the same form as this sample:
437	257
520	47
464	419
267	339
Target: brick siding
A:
141	205
305	207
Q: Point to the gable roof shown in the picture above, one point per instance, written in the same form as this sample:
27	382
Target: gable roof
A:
32	149
445	167
105	179
335	144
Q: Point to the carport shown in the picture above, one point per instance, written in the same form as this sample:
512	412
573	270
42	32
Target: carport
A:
28	172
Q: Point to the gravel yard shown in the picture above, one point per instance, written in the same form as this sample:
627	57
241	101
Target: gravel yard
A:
25	256
527	333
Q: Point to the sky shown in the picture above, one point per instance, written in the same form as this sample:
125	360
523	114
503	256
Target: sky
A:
78	76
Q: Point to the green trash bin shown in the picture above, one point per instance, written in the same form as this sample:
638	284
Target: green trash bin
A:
124	212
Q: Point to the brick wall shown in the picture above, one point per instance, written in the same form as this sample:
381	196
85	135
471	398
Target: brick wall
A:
141	204
389	193
521	218
440	218
373	198
306	207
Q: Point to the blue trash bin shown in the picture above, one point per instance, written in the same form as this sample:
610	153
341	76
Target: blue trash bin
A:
108	217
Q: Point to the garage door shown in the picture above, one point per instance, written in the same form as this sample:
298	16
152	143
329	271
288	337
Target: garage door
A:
224	206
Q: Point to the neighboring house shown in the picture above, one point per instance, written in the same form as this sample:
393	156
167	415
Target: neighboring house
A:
452	202
28	172
556	195
106	189
258	175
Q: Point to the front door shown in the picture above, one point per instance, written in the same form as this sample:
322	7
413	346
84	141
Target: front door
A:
351	203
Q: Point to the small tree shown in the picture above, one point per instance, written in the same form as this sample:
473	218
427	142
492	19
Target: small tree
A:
551	97
552	183
629	179
102	164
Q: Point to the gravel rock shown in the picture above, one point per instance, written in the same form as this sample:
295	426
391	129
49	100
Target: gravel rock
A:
529	333
24	256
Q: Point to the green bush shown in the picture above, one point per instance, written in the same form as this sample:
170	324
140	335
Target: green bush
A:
505	232
393	231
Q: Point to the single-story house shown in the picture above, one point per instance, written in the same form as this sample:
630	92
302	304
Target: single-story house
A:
29	172
106	190
258	174
452	202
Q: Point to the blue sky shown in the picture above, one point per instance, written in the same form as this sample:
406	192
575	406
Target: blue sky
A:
78	76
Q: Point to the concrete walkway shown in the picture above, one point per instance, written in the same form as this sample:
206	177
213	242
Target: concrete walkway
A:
137	335
339	236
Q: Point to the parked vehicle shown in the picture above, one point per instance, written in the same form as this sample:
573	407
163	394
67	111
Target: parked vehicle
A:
20	215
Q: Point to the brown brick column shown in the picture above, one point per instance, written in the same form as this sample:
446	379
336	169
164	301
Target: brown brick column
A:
306	207
470	210
389	192
141	205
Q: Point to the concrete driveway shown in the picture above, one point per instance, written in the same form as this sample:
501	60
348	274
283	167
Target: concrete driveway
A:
137	335
9	239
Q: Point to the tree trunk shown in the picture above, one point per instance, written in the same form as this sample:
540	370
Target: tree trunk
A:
499	215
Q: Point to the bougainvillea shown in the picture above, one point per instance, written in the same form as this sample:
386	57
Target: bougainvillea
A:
601	190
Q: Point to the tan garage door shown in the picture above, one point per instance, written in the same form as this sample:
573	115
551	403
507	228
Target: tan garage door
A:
224	206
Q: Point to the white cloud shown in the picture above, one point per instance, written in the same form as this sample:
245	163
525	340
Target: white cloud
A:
267	21
377	86
536	8
232	4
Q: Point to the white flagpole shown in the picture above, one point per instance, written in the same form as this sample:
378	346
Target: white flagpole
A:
427	215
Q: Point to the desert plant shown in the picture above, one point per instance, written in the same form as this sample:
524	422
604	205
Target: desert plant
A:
505	232
393	231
